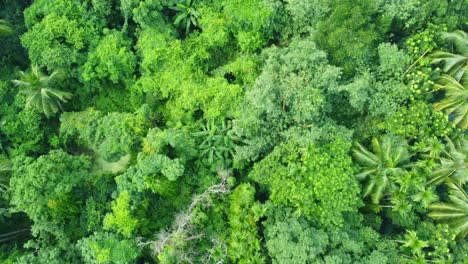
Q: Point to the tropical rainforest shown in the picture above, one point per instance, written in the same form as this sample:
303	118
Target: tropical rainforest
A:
233	131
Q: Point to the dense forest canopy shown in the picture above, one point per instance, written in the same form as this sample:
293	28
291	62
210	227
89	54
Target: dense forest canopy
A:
233	131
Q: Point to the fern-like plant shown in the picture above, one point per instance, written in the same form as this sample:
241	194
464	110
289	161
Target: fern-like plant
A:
388	158
39	91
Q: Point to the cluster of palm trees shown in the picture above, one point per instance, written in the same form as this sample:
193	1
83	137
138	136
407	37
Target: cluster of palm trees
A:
389	158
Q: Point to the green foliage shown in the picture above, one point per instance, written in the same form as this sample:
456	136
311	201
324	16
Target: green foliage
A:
244	213
419	120
288	93
23	132
217	147
452	163
5	29
453	82
454	65
188	15
455	212
46	255
269	95
121	219
380	93
388	159
305	177
290	239
191	91
112	60
108	248
456	100
39	91
254	22
348	35
55	183
57	41
111	136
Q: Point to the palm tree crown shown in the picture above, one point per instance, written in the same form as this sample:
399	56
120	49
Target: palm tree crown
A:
455	213
37	87
454	81
387	159
452	163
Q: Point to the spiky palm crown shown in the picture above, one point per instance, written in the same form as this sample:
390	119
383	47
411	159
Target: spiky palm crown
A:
454	79
455	212
453	162
387	159
37	87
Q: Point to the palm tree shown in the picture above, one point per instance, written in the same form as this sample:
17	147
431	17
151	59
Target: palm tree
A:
187	14
454	213
4	28
454	79
452	163
5	168
453	64
37	87
456	100
388	159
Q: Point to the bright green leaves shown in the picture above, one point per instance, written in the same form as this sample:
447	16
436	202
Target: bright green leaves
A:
318	182
244	213
253	22
387	160
58	41
108	248
40	92
112	59
414	243
121	218
176	81
418	120
453	171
